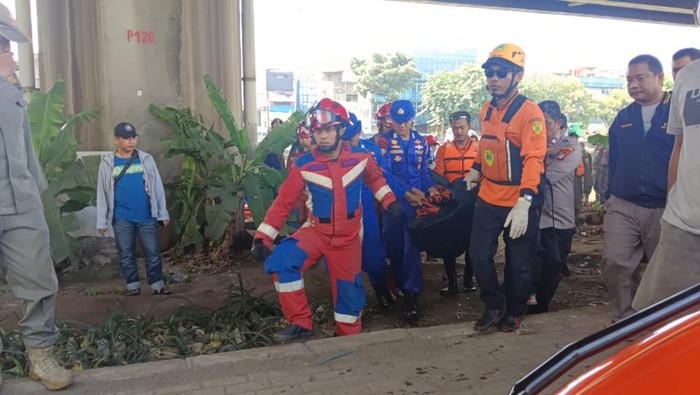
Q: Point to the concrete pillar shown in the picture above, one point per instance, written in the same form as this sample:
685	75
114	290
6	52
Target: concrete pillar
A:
250	108
23	15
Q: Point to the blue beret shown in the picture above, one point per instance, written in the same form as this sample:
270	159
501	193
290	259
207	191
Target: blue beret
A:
402	111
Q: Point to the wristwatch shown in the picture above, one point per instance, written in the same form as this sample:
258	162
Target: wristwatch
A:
526	196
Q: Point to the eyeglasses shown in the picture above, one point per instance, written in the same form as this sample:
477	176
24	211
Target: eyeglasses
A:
500	73
460	115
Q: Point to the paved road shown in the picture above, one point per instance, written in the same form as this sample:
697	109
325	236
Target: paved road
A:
435	360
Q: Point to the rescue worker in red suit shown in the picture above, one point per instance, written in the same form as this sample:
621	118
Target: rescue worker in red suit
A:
383	118
332	175
453	161
511	160
373	253
405	157
304	144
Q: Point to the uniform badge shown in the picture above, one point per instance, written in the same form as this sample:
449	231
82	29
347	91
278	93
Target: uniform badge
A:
489	157
397	158
537	126
394	142
564	152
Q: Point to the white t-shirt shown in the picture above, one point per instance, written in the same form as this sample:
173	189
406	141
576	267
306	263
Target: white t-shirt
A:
683	205
647	115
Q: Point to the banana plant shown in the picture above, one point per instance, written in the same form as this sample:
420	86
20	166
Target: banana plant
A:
260	183
217	176
72	182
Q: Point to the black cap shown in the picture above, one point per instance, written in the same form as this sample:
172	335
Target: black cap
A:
125	130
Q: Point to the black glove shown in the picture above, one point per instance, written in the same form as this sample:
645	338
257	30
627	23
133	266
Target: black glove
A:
396	210
260	250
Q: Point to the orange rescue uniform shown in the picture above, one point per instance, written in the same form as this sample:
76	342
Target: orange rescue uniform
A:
453	162
511	158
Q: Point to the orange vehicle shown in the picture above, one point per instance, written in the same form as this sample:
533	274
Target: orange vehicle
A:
664	358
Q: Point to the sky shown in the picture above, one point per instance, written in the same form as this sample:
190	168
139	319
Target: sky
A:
303	35
307	36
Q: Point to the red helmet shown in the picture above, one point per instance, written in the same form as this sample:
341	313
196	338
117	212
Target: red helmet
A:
431	140
326	113
383	115
302	131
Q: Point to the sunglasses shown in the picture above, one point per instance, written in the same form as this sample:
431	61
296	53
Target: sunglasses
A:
500	73
460	115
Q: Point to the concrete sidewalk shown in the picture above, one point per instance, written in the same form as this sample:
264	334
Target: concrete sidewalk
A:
438	360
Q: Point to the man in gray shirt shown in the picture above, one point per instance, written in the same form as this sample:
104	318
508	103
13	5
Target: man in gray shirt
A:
675	264
24	236
557	221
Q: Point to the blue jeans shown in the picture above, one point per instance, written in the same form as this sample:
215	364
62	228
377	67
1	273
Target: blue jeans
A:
125	233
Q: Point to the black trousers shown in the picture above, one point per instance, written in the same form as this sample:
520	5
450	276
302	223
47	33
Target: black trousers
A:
451	268
517	284
555	246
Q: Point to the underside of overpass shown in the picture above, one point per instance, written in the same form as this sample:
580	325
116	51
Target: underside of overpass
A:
93	47
678	12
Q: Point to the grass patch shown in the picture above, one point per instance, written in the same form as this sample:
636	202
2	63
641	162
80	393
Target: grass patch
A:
246	321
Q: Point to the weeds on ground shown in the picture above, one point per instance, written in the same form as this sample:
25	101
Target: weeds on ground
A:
246	321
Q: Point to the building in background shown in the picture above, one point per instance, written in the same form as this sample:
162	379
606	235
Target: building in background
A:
280	100
428	63
339	85
598	82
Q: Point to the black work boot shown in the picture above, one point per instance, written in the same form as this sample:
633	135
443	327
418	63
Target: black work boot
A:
451	288
293	332
410	306
488	319
468	280
384	298
451	274
509	324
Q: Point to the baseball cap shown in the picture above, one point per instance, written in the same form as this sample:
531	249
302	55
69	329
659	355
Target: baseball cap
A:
8	27
125	130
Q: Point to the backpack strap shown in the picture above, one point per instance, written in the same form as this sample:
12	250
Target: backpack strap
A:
134	155
512	110
514	107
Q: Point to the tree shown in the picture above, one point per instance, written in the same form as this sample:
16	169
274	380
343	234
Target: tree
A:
668	84
575	101
385	75
448	91
610	105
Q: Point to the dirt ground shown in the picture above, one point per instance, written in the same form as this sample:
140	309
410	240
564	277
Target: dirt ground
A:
84	299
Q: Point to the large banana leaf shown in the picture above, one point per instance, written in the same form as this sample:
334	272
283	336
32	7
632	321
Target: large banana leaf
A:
278	140
260	191
73	190
46	116
72	183
223	202
239	137
63	245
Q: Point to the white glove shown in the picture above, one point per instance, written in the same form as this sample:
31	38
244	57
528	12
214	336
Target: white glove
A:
471	179
517	218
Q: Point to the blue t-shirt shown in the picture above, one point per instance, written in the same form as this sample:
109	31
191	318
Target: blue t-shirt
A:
131	202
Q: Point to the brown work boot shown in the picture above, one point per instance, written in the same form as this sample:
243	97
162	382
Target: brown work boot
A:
43	366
